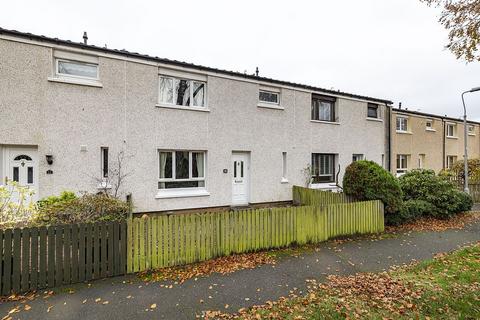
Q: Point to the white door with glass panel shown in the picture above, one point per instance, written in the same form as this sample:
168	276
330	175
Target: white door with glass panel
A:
22	168
240	179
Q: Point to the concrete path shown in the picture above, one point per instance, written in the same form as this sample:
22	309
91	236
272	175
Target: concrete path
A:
243	288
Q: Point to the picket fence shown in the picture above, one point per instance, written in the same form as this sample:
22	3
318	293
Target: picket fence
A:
37	258
314	197
161	241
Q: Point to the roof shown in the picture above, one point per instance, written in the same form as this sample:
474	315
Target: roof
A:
431	115
125	53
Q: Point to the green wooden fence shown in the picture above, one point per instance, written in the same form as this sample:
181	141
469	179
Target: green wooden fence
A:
160	241
314	197
36	258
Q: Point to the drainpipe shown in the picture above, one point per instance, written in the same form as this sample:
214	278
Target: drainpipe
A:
444	142
388	153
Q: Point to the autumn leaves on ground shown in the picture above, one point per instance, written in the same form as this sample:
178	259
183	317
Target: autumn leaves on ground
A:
447	287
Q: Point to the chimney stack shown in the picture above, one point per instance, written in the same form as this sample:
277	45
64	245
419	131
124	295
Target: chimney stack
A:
399	105
256	72
85	37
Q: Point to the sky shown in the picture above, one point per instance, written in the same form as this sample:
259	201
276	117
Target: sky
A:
391	49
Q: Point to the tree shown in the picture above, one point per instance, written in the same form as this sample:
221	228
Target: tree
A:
462	19
113	182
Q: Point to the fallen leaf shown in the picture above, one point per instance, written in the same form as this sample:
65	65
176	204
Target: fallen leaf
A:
153	306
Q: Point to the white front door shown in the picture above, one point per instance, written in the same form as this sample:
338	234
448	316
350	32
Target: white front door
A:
240	179
22	167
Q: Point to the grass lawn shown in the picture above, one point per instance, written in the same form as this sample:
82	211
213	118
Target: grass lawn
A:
446	287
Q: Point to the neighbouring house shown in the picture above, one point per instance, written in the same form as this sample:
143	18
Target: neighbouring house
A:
192	136
423	140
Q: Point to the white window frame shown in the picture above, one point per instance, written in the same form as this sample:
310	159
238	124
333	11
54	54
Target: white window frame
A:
190	162
270	92
284	168
375	106
357	157
399	119
191	81
454	130
471	132
429	128
451	160
63	75
402	169
331	167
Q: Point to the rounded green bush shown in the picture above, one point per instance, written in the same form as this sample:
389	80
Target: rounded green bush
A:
366	180
445	198
410	211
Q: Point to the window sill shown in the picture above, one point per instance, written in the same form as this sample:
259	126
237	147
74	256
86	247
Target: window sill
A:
375	119
76	81
403	132
284	180
449	137
431	130
326	122
471	134
324	186
270	106
181	193
171	106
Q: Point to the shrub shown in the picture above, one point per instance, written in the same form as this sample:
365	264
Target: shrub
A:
366	180
84	209
458	170
446	200
411	210
65	196
16	205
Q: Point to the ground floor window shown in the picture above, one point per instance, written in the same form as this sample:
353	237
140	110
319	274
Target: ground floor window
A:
450	161
323	167
402	163
181	169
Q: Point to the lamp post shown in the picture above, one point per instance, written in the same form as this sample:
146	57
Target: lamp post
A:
465	136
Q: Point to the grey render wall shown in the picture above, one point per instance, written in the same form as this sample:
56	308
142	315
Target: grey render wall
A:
59	118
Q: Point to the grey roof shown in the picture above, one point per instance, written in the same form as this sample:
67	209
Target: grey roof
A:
126	53
431	115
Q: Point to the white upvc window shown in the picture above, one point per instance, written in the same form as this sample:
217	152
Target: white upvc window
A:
269	97
76	69
451	130
372	111
471	129
402	124
284	167
181	169
323	167
450	161
429	125
357	157
182	92
402	163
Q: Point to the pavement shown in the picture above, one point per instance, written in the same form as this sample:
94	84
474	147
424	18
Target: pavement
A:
130	298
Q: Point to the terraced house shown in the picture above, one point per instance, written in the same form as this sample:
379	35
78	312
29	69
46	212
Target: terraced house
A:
191	136
423	140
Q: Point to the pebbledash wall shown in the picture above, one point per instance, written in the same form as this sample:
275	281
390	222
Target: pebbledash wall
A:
72	121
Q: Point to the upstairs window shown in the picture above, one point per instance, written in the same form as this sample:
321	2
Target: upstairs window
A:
451	130
429	125
323	108
76	69
372	110
182	92
323	166
357	157
269	97
471	130
181	169
402	124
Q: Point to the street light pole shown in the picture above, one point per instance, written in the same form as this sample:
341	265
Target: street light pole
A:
465	137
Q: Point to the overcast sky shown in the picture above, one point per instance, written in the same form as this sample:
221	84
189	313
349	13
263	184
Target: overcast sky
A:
387	49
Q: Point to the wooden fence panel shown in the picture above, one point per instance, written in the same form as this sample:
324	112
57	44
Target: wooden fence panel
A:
36	258
314	197
180	239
